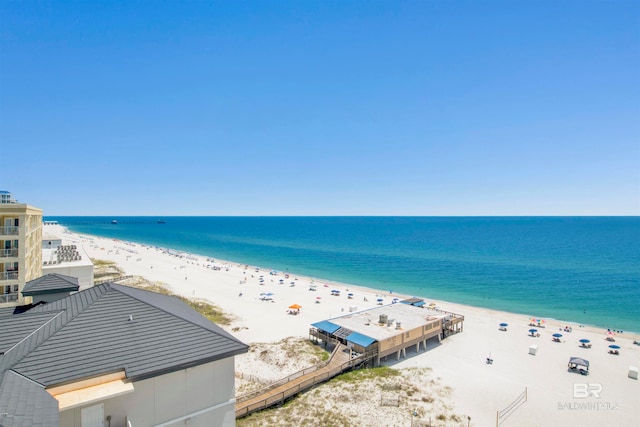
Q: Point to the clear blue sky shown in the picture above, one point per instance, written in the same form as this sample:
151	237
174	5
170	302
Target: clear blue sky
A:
321	108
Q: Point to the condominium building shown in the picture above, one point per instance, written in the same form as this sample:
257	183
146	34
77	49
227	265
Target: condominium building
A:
6	197
20	250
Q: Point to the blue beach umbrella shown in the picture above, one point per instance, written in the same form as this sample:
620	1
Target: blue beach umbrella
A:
615	347
533	331
584	341
504	325
557	335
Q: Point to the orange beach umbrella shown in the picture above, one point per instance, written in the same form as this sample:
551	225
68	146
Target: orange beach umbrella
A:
295	307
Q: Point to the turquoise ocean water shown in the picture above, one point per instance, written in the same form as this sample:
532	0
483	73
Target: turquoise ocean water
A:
580	269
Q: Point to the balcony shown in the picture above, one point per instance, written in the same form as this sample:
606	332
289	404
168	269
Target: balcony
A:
9	253
5	298
9	230
9	275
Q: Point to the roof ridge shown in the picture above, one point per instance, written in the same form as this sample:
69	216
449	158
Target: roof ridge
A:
62	277
33	332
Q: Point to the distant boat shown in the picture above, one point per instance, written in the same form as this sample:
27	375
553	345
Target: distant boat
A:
114	222
161	221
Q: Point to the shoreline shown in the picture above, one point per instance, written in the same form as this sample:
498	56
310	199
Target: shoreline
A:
366	289
477	389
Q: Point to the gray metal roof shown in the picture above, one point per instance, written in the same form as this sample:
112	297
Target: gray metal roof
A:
25	403
51	283
20	327
105	329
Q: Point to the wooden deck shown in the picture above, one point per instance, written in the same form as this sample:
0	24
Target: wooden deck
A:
298	382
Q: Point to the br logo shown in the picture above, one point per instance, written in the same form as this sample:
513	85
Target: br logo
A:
584	390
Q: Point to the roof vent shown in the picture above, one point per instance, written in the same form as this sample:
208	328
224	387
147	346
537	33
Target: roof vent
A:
383	318
131	318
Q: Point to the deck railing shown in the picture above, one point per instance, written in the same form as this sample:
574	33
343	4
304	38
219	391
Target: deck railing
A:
112	279
5	298
298	387
9	230
9	253
287	379
9	275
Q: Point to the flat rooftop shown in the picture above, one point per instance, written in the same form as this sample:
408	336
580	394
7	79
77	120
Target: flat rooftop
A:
49	256
367	322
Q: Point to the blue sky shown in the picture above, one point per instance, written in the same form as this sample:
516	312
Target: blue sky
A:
321	108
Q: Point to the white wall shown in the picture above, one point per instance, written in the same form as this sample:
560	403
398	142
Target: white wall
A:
84	272
172	397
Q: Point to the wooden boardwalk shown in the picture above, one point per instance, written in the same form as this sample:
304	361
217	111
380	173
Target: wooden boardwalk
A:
299	382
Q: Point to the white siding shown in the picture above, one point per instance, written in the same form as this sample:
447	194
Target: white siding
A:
172	397
92	416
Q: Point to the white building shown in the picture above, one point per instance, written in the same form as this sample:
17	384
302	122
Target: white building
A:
68	260
116	356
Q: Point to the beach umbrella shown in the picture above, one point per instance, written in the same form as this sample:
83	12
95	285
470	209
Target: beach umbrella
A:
504	325
395	300
615	347
295	306
379	299
533	331
557	335
350	294
318	297
584	341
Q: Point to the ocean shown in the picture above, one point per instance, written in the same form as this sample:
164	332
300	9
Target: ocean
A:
578	269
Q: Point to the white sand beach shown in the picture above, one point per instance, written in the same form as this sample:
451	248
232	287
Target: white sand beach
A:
555	397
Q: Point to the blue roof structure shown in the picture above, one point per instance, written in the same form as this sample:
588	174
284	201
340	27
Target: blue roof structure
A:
326	326
416	302
360	339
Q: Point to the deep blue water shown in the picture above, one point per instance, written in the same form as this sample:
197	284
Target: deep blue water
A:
581	269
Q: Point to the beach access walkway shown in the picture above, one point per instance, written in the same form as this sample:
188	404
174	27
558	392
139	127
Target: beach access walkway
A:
340	361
